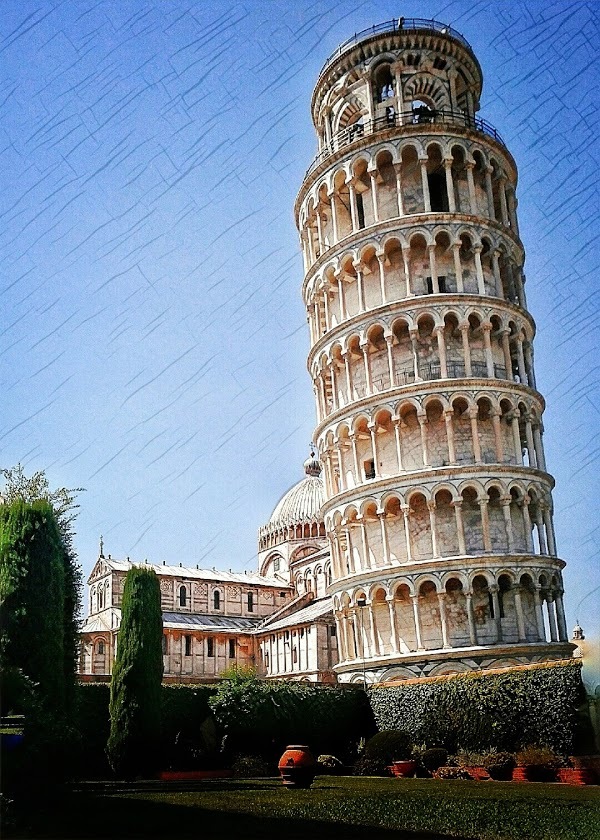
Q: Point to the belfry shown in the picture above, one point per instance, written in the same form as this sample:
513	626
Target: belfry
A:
438	503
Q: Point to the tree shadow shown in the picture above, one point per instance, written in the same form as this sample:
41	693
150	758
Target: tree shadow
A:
99	817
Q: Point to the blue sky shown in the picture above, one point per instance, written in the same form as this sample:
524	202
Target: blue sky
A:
153	334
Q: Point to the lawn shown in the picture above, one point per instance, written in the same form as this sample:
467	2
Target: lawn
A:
335	807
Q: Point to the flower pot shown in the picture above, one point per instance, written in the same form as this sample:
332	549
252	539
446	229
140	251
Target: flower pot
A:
501	772
519	774
297	767
403	769
575	776
534	773
480	774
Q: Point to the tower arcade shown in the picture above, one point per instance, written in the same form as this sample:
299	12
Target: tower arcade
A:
438	503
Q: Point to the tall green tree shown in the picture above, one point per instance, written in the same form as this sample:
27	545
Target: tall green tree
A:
135	688
32	597
29	489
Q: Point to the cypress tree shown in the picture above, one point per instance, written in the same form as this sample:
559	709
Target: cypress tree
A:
135	688
32	595
19	487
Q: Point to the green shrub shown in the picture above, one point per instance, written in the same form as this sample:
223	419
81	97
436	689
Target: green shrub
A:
448	772
387	746
364	766
477	710
251	767
539	756
434	758
329	764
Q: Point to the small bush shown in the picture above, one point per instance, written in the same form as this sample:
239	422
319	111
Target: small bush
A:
329	764
251	767
434	758
387	746
448	772
370	767
539	756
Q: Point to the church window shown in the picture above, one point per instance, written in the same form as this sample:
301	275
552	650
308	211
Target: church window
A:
438	195
210	647
101	647
360	207
217	600
250	602
188	645
232	648
295	655
165	648
276	564
182	596
100	598
332	631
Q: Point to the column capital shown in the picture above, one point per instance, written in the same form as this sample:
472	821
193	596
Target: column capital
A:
358	265
431	505
486	326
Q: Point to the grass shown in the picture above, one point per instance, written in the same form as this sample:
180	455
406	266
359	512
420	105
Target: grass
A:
335	807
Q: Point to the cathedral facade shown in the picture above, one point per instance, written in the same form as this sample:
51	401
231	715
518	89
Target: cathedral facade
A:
420	541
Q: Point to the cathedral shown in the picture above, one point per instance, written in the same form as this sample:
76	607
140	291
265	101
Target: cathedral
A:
420	541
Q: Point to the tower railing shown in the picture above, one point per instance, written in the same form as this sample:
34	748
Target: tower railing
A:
395	25
417	116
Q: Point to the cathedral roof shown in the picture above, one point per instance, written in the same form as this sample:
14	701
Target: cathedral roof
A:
306	615
104	565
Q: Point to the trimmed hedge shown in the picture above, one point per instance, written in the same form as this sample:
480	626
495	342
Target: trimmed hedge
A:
262	720
475	711
261	717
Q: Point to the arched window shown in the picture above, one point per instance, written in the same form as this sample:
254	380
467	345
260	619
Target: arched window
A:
101	647
188	645
250	602
216	600
100	598
182	596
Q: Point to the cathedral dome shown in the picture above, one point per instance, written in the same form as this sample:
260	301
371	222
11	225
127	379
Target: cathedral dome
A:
304	500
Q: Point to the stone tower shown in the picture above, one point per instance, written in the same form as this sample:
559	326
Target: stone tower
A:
437	499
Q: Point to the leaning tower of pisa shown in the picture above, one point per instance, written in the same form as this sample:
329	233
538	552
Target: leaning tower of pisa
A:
437	498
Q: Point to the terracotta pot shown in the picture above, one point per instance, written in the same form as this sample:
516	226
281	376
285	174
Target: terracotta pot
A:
403	769
480	774
575	776
534	773
297	767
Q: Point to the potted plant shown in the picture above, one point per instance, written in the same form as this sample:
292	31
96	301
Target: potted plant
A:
486	765
403	767
579	770
500	765
536	764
